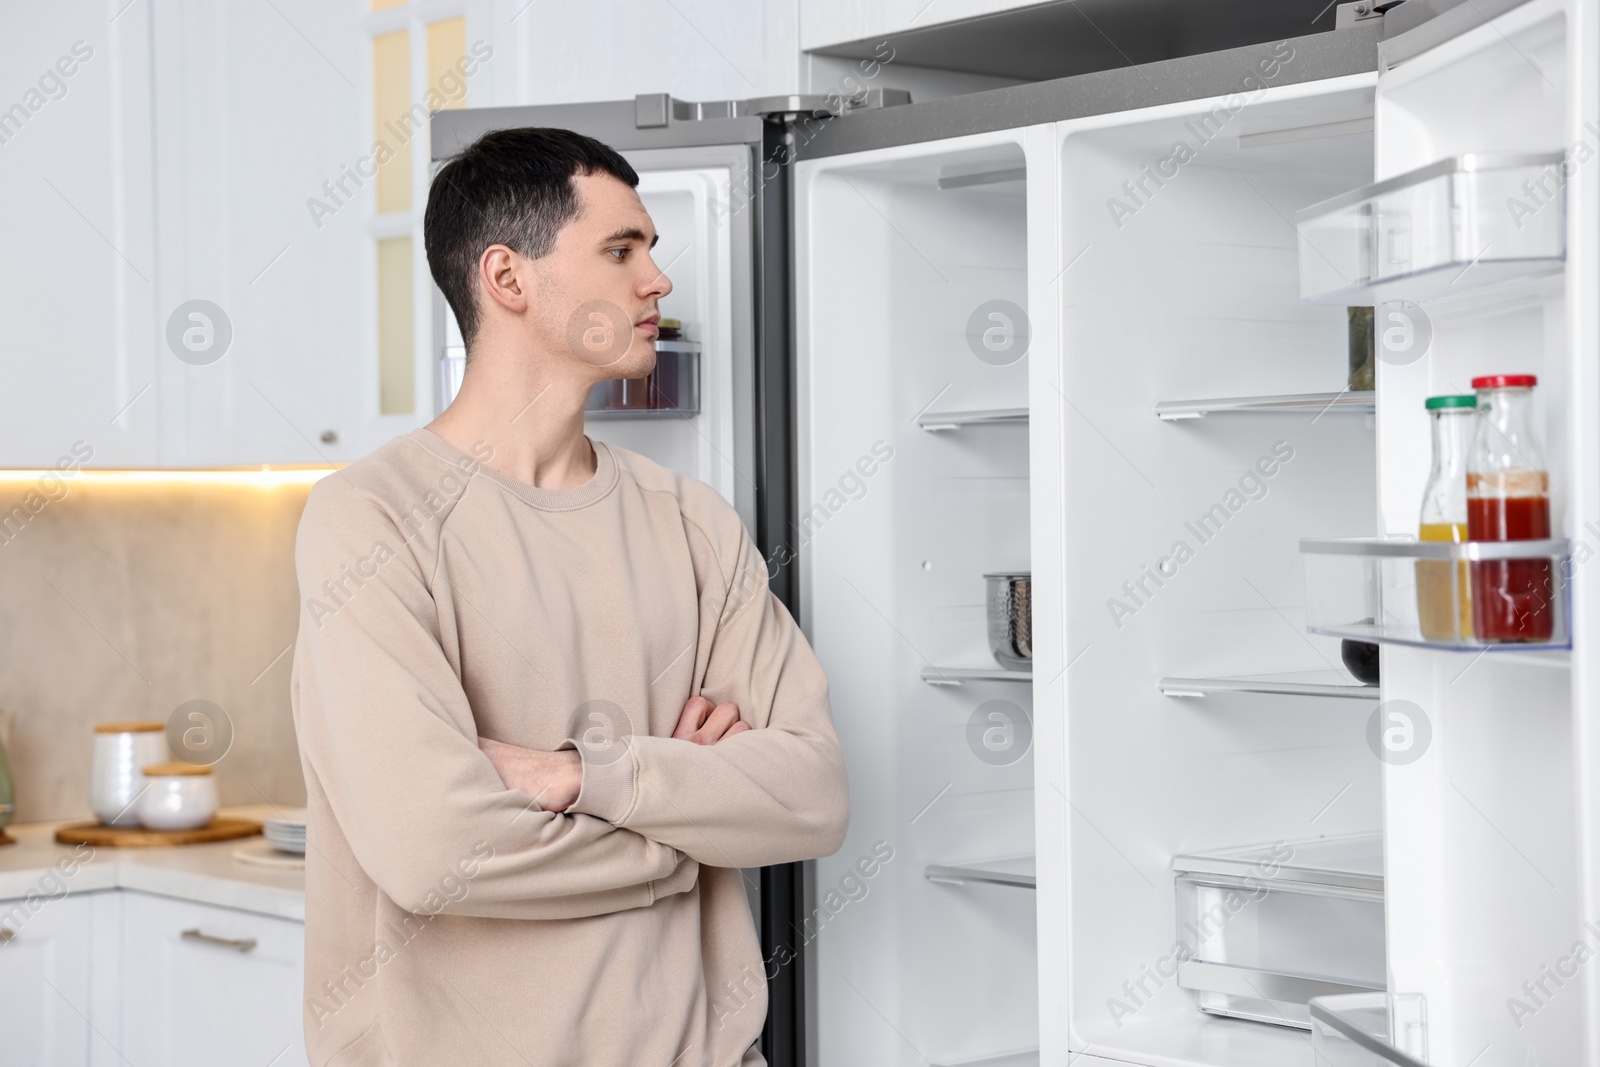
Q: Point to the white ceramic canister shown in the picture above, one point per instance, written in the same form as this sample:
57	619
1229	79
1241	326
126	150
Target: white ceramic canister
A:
121	751
181	796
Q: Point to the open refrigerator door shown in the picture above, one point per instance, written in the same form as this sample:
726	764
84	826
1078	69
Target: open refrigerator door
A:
1477	247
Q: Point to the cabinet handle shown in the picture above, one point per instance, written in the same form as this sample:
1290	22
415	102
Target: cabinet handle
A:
239	944
6	934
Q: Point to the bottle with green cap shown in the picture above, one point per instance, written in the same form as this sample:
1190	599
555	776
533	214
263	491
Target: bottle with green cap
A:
1444	602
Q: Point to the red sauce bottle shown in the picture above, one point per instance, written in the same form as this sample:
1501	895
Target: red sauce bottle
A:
1508	499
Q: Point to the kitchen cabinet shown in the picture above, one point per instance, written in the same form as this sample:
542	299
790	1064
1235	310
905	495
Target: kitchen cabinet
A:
263	116
45	980
203	985
77	261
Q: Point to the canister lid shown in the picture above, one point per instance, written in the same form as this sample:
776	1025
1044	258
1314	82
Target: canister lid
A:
129	727
174	769
1505	381
1458	400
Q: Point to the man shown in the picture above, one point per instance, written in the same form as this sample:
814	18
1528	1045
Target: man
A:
546	705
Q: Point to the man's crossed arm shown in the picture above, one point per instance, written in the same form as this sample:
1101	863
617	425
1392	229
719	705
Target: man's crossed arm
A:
554	779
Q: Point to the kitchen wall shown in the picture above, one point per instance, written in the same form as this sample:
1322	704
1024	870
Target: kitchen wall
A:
123	601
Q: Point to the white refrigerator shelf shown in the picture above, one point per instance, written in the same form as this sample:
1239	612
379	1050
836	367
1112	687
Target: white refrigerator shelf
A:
1292	683
1017	871
934	421
1308	403
1447	229
962	675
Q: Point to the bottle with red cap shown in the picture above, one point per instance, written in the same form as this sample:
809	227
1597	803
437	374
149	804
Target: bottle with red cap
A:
1508	499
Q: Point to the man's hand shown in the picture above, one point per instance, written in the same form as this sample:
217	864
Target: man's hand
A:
551	778
705	723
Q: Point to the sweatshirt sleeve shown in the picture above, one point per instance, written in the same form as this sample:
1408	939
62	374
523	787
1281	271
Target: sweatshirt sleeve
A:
385	726
773	794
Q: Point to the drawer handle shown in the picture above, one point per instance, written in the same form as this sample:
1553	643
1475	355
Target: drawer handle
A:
238	944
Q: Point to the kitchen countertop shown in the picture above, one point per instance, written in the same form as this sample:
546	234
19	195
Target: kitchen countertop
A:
206	874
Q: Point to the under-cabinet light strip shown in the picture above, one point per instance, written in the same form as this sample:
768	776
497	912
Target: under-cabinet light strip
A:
263	478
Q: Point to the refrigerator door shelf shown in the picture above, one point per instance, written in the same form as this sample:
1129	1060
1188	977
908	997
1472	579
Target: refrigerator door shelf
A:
1417	593
1448	229
673	388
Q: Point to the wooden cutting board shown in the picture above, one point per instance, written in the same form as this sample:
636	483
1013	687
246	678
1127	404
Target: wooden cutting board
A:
93	833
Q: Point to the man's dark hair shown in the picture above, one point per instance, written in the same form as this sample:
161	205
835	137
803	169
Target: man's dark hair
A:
510	187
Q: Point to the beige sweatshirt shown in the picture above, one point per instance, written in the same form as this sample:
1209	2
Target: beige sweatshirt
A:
450	919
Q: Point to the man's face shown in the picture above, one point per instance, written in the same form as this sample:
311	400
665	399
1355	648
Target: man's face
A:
599	289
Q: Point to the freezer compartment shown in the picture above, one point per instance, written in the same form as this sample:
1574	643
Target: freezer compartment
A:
1369	1030
672	390
1269	927
1446	229
1430	594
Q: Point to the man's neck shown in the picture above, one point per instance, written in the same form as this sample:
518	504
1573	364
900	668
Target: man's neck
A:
532	421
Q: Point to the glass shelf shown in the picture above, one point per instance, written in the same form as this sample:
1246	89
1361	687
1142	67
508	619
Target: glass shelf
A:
1369	1030
1438	231
961	675
1017	871
1420	593
1350	861
935	421
1360	403
1295	683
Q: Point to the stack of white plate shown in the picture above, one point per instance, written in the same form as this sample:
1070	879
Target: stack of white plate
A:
286	832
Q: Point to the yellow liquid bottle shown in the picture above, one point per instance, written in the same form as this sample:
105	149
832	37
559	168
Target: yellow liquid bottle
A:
1444	588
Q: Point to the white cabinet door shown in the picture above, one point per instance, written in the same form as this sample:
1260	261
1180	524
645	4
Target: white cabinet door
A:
44	982
76	272
203	985
262	303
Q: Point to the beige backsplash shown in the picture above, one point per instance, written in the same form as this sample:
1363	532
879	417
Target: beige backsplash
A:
123	602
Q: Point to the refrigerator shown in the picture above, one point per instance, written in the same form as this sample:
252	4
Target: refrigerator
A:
1096	331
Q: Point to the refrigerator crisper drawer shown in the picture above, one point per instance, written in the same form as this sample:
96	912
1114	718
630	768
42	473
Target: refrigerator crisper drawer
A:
1445	229
1428	593
1267	928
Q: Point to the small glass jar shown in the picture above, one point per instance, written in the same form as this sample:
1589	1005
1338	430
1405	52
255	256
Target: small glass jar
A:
121	749
1508	499
177	796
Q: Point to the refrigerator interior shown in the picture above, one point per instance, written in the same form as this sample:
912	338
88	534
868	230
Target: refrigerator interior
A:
1181	540
897	526
1483	841
688	208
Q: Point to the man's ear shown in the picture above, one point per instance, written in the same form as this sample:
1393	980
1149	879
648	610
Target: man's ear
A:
500	271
